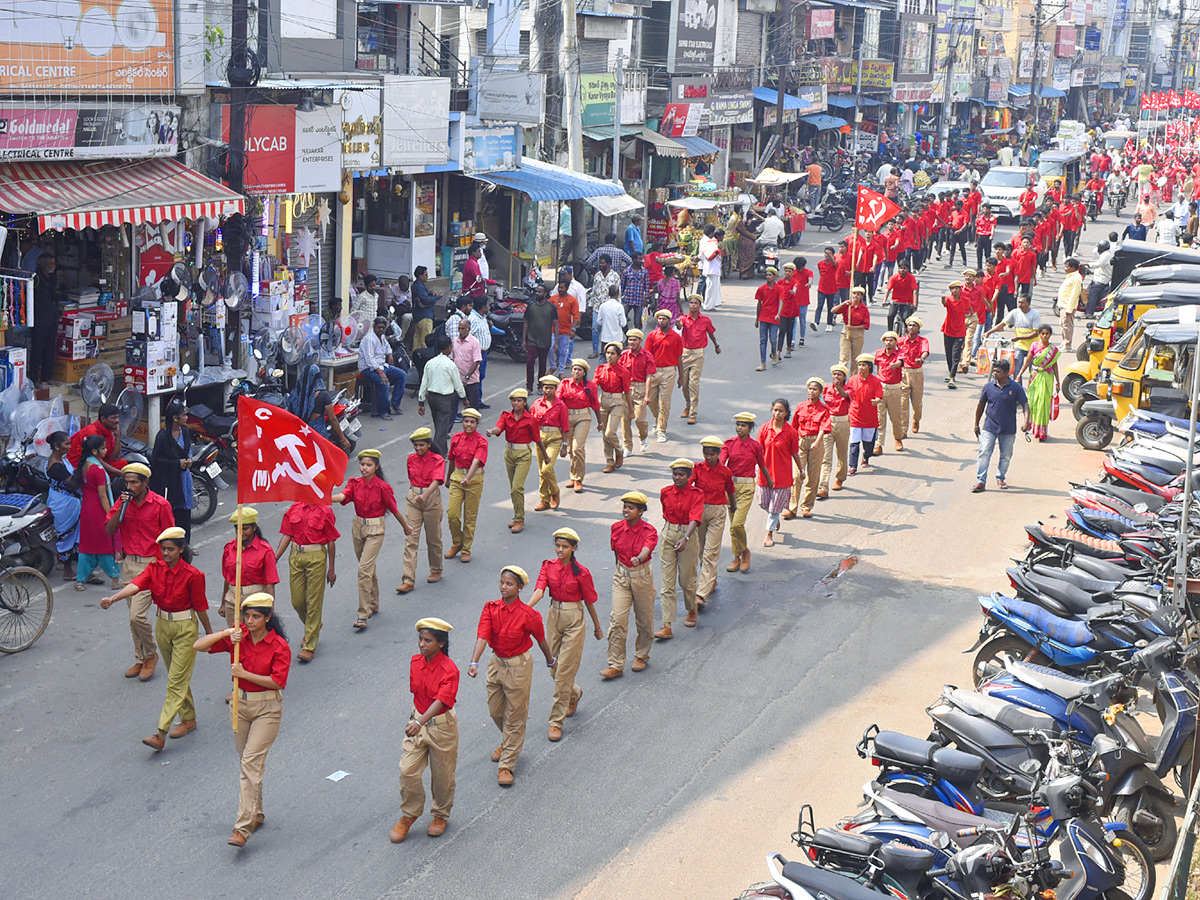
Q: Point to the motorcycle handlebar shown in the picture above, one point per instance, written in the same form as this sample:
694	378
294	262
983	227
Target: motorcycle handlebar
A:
966	832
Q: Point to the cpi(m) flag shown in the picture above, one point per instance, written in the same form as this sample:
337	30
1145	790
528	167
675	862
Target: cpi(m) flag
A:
873	210
281	458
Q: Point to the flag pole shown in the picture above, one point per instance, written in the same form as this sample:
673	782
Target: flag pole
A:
237	616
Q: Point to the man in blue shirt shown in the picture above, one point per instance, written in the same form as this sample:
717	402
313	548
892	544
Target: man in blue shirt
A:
1136	231
633	236
998	404
424	300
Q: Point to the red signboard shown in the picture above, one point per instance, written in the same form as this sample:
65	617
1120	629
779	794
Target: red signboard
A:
820	24
681	120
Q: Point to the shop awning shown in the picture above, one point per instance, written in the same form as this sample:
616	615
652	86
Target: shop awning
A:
605	132
663	145
1109	85
543	181
770	95
614	206
846	101
990	104
696	146
113	192
1046	93
823	122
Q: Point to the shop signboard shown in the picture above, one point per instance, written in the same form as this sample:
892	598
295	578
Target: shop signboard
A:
814	97
510	96
598	99
362	128
996	91
842	74
681	120
820	24
692	41
490	150
1025	66
725	105
98	48
1076	78
416	121
1062	75
1064	42
291	152
914	92
87	131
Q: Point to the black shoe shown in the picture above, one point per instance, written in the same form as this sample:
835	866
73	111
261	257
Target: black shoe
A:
485	406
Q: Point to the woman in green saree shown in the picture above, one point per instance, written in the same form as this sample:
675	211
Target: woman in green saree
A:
1042	366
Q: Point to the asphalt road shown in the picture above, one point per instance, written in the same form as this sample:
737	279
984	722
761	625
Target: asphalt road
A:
670	783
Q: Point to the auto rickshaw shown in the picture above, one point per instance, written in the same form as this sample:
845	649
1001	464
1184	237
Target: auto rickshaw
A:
1134	254
1153	373
1063	167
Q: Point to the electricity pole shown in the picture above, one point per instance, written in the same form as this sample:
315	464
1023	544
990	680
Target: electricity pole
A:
1034	86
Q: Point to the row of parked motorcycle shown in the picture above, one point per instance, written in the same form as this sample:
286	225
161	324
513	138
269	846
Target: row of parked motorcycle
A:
1041	780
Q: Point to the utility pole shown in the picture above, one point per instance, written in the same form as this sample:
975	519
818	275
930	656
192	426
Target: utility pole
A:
1150	55
574	125
241	74
858	88
779	70
616	150
1034	86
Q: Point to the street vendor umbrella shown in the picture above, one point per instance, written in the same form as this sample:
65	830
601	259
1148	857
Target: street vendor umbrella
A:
774	177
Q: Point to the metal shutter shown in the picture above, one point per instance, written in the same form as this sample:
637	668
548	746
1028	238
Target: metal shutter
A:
308	219
749	39
593	56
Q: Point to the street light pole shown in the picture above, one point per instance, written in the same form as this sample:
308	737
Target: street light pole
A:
1034	92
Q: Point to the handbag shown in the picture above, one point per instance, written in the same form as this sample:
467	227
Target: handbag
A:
1054	407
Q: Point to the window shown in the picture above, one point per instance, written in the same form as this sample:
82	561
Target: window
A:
1135	354
916	42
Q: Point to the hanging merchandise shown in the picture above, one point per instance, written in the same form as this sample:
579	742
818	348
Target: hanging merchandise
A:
16	301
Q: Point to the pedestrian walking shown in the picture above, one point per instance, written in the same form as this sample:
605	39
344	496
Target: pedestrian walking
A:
540	334
177	589
468	357
95	542
520	428
603	281
998	404
813	423
856	319
431	733
679	551
766	319
915	350
715	482
633	540
1025	323
902	296
423	508
571	592
977	316
665	345
567	302
639	363
635	289
695	328
866	398
468	456
744	456
837	441
310	530
373	499
954	329
612	381
259	573
985	228
667	292
259	676
1070	293
1042	365
553	421
781	449
889	363
582	399
827	290
442	386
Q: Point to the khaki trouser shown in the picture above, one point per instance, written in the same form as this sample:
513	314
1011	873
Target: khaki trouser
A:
632	588
139	607
422	330
307	569
893	395
658	396
367	536
463	507
972	326
420	513
517	460
812	454
435	746
229	598
175	640
708	539
691	364
579	423
851	344
677	566
565	633
547	481
508	684
257	725
737	523
637	390
614	418
839	439
912	395
1067	322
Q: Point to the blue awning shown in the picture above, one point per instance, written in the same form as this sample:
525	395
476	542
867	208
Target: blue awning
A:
1109	85
770	95
989	103
696	146
543	181
823	122
846	101
1022	90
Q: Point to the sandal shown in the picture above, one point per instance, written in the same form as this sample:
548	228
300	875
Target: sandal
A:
80	586
360	624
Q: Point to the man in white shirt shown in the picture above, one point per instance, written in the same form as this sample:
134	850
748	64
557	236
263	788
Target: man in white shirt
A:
1101	268
609	320
771	231
710	268
375	364
482	240
1069	293
602	283
1005	155
366	302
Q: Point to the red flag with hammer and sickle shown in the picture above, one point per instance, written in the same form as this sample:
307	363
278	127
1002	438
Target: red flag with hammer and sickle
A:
873	210
281	458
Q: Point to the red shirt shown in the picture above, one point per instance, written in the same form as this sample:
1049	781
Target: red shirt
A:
863	412
912	349
510	628
910	234
653	266
1006	271
827	277
714	482
174	588
955	324
372	499
859	251
612	379
309	523
551	414
973	294
564	585
271	657
425	470
527	429
879	248
743	456
811	418
466	448
835	402
843	270
895	245
579	396
958	219
778	449
1024	262
695	332
856	315
903	287
628	541
768	299
1028	201
640	366
985	226
143	524
432	679
665	348
681	505
77	439
258	562
883	365
990	287
799	298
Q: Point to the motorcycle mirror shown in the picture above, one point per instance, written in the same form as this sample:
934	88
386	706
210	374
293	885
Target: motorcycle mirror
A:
1030	767
186	369
939	839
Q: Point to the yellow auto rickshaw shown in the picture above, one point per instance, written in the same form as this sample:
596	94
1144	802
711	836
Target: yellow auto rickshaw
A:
1063	167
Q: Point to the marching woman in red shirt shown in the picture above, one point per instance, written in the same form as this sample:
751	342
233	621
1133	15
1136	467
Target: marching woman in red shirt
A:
633	540
866	397
521	428
571	592
553	422
615	404
781	449
423	506
310	529
259	677
954	328
766	318
258	563
581	398
431	735
466	457
837	400
857	319
744	456
509	626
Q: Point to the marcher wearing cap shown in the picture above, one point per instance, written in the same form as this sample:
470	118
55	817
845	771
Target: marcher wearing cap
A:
431	734
423	508
509	626
632	540
139	515
176	587
571	592
813	424
310	529
715	482
612	380
679	552
639	363
665	345
259	573
866	398
582	399
467	457
744	456
915	350
521	429
553	421
837	399
781	448
695	329
259	675
856	320
889	368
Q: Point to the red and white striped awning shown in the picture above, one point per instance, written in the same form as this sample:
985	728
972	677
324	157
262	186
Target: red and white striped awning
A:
111	192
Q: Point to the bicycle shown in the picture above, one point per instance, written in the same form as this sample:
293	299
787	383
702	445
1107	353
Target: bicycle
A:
26	603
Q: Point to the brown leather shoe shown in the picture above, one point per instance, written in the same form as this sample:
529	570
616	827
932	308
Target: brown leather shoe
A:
466	556
745	566
574	705
555	734
700	603
638	665
609	468
305	656
663	634
400	830
916	426
183	728
620	461
237	839
684	414
690	621
806	513
611	672
735	565
437	827
496	753
837	485
554	501
570	484
135	670
789	514
504	778
542	506
453	551
148	668
405	587
518	526
578	487
155	742
434	578
899	445
257	823
691	420
822	494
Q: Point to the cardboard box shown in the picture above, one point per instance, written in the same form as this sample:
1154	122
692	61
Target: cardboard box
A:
75	325
69	371
86	348
151	380
13	361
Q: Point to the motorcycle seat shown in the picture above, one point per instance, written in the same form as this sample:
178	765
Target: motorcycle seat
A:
892	746
1105	549
1130	495
1071	597
1152	474
900	859
823	883
1068	687
1084	582
222	425
1159	460
1068	632
1007	715
846	841
1104	569
958	768
938	816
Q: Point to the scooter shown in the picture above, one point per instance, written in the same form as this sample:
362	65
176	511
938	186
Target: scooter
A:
766	257
27	534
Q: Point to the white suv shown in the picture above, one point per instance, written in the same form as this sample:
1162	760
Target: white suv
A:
1003	186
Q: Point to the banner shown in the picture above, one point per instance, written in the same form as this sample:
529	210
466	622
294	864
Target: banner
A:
289	151
873	210
681	120
598	99
692	40
281	459
85	131
416	121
